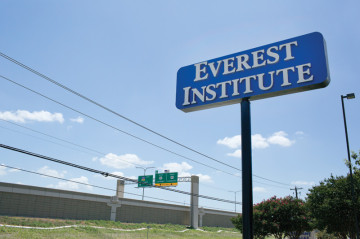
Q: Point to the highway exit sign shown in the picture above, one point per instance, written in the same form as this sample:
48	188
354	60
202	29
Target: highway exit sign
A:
166	179
145	181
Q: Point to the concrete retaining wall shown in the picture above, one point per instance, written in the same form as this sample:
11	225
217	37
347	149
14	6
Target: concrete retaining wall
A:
30	201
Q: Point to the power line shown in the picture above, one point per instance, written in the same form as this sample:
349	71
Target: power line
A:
136	137
51	136
270	180
110	110
66	141
118	114
115	128
106	174
46	140
272	185
69	142
213	187
101	153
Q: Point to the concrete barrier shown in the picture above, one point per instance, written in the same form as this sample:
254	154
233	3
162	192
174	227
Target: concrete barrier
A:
30	201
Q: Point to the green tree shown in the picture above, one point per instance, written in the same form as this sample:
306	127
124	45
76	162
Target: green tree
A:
330	203
331	206
280	217
260	231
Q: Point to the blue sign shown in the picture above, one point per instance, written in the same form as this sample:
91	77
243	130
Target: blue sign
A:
285	67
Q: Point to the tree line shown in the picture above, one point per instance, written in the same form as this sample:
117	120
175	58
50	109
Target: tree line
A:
328	208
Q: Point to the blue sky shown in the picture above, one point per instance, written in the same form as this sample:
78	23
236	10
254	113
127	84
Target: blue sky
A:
125	55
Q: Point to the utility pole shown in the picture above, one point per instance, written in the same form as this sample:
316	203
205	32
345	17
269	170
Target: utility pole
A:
235	196
296	191
144	175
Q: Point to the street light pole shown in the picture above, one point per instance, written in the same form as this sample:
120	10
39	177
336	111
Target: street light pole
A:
144	175
350	96
235	197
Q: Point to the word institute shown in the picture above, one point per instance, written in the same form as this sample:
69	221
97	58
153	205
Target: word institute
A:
275	69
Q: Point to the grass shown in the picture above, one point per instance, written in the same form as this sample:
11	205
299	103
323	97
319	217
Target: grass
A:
86	229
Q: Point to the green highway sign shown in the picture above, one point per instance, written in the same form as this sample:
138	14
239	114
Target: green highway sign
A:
166	179
145	181
160	178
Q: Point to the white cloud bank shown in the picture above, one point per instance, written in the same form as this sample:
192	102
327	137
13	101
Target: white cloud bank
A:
280	138
122	161
4	170
66	185
259	190
236	154
23	116
79	120
257	141
231	142
51	172
183	168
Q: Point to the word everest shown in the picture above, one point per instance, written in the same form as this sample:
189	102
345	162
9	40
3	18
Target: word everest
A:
276	69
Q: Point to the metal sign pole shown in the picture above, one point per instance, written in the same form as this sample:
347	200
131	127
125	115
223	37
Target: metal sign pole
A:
247	197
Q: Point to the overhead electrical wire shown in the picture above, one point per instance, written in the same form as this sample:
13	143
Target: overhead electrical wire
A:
115	128
98	152
106	174
120	115
46	140
129	134
62	140
51	136
110	110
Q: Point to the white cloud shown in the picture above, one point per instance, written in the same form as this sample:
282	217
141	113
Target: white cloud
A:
236	154
180	168
204	178
2	170
231	142
259	190
280	138
22	116
259	142
123	161
303	183
52	172
299	133
14	170
66	185
121	174
183	168
79	120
